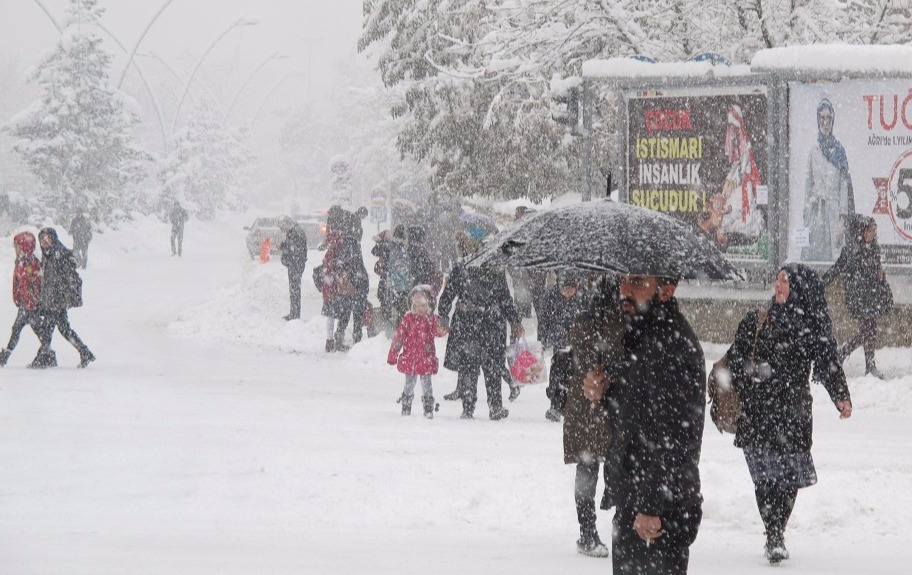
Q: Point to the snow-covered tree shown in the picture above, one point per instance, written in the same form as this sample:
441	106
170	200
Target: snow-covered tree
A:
77	138
208	165
474	74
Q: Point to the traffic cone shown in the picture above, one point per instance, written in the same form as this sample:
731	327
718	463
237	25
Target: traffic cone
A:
265	248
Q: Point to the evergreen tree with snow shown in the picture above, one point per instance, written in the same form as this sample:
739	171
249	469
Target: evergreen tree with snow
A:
76	138
208	165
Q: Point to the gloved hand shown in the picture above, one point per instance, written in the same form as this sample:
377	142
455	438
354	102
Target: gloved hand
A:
443	323
391	358
516	332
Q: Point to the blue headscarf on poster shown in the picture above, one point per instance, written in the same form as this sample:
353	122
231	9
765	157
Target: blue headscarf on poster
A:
829	145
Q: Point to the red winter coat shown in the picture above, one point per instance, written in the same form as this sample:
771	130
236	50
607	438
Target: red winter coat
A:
27	273
415	337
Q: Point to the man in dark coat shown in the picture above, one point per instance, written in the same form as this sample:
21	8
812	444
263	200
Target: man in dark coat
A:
294	257
178	217
81	230
564	302
61	289
653	474
478	333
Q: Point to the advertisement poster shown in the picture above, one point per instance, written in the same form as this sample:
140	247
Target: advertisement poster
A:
700	155
850	152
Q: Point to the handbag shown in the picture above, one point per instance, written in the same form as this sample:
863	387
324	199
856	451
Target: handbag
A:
527	363
883	296
725	408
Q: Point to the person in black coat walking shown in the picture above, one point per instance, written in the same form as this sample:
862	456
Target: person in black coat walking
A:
61	289
562	304
867	293
478	332
81	230
178	217
652	471
294	257
770	369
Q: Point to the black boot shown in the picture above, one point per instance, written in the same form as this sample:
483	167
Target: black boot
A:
775	550
406	401
468	407
339	342
85	356
871	369
44	359
429	406
498	413
4	356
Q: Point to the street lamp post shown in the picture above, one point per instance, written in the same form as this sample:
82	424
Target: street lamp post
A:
242	21
292	74
139	40
270	58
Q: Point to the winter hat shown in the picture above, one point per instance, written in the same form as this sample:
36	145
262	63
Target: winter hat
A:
568	278
50	232
286	223
422	293
25	241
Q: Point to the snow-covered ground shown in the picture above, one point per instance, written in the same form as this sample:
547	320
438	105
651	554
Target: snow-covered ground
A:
212	437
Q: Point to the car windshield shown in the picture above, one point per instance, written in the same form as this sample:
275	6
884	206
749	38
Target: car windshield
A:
267	222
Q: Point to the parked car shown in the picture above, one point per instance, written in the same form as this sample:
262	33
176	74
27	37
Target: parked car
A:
314	226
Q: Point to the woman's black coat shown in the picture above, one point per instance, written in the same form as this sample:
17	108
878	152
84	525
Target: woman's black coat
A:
773	380
484	307
858	265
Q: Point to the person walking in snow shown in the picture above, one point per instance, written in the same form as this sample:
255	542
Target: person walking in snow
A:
596	346
478	330
26	293
294	257
771	367
867	293
61	289
399	277
413	351
652	471
81	230
563	304
381	251
178	217
338	291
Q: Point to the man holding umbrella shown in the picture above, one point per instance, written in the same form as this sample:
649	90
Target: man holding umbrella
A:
652	473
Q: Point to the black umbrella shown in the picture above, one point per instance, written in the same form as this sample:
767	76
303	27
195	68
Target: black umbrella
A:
606	236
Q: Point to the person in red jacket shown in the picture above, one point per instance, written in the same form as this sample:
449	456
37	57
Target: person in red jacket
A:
415	340
26	290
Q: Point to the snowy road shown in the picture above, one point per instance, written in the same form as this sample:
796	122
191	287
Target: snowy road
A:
211	437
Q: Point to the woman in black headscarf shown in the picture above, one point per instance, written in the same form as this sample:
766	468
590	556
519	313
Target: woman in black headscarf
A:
867	293
771	366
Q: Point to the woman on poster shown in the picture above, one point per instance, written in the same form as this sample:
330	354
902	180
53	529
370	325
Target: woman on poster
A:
740	214
829	200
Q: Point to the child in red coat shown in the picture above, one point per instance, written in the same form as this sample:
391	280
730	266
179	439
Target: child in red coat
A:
26	289
418	357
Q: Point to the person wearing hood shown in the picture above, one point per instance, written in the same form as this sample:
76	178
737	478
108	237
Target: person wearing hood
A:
26	293
775	354
867	293
61	289
294	257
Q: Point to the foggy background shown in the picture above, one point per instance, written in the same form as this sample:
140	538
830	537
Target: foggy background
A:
299	60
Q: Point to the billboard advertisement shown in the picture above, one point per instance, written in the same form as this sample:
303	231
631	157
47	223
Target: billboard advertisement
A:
850	152
700	155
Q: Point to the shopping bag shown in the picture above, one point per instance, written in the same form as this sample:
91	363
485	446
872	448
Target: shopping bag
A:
527	362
